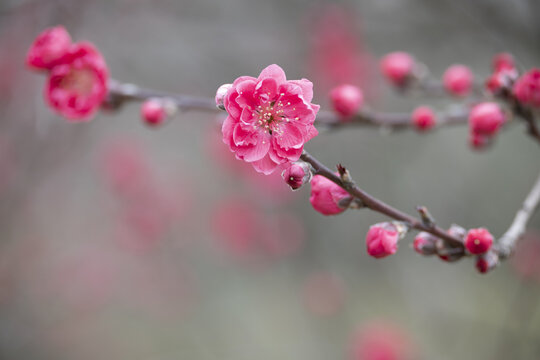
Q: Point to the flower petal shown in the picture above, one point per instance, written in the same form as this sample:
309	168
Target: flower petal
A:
273	72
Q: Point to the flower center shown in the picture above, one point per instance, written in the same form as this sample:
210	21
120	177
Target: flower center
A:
79	81
269	116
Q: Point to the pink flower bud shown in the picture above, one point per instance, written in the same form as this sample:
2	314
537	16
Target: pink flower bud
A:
425	244
48	48
346	99
77	87
458	80
503	61
326	196
423	118
382	238
487	262
220	94
486	119
152	112
478	241
527	88
297	175
397	67
155	111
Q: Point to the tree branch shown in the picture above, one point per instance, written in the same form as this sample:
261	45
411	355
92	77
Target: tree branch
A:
380	206
508	241
119	93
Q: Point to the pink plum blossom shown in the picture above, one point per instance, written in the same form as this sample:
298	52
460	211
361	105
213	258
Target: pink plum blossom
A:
269	119
77	86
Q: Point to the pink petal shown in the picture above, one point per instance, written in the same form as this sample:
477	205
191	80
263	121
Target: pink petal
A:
266	90
273	72
291	137
307	88
265	165
257	151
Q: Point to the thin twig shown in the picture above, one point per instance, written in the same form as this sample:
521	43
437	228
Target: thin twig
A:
122	92
508	241
380	206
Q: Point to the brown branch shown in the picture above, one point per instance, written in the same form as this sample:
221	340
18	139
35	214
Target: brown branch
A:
380	206
508	241
119	93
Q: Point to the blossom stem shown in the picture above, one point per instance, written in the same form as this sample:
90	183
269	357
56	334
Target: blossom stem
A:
380	206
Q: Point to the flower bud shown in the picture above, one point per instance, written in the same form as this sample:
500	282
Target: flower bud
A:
296	175
478	241
48	48
487	261
423	118
382	238
326	196
397	67
155	111
503	61
220	94
527	88
486	119
458	80
346	99
425	244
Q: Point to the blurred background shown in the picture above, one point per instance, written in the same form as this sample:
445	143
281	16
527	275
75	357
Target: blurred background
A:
123	242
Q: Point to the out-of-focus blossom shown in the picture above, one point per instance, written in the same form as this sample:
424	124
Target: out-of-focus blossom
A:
397	67
423	118
458	80
527	88
381	340
323	293
77	86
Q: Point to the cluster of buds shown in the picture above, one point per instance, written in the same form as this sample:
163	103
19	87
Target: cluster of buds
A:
504	74
77	73
477	242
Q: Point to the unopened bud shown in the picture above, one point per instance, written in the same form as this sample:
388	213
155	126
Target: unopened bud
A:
296	175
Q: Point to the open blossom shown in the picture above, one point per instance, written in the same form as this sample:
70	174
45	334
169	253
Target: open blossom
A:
527	88
326	196
48	48
382	238
77	85
269	119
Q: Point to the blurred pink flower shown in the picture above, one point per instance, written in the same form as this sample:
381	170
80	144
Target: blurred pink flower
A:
380	340
49	48
77	85
323	293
